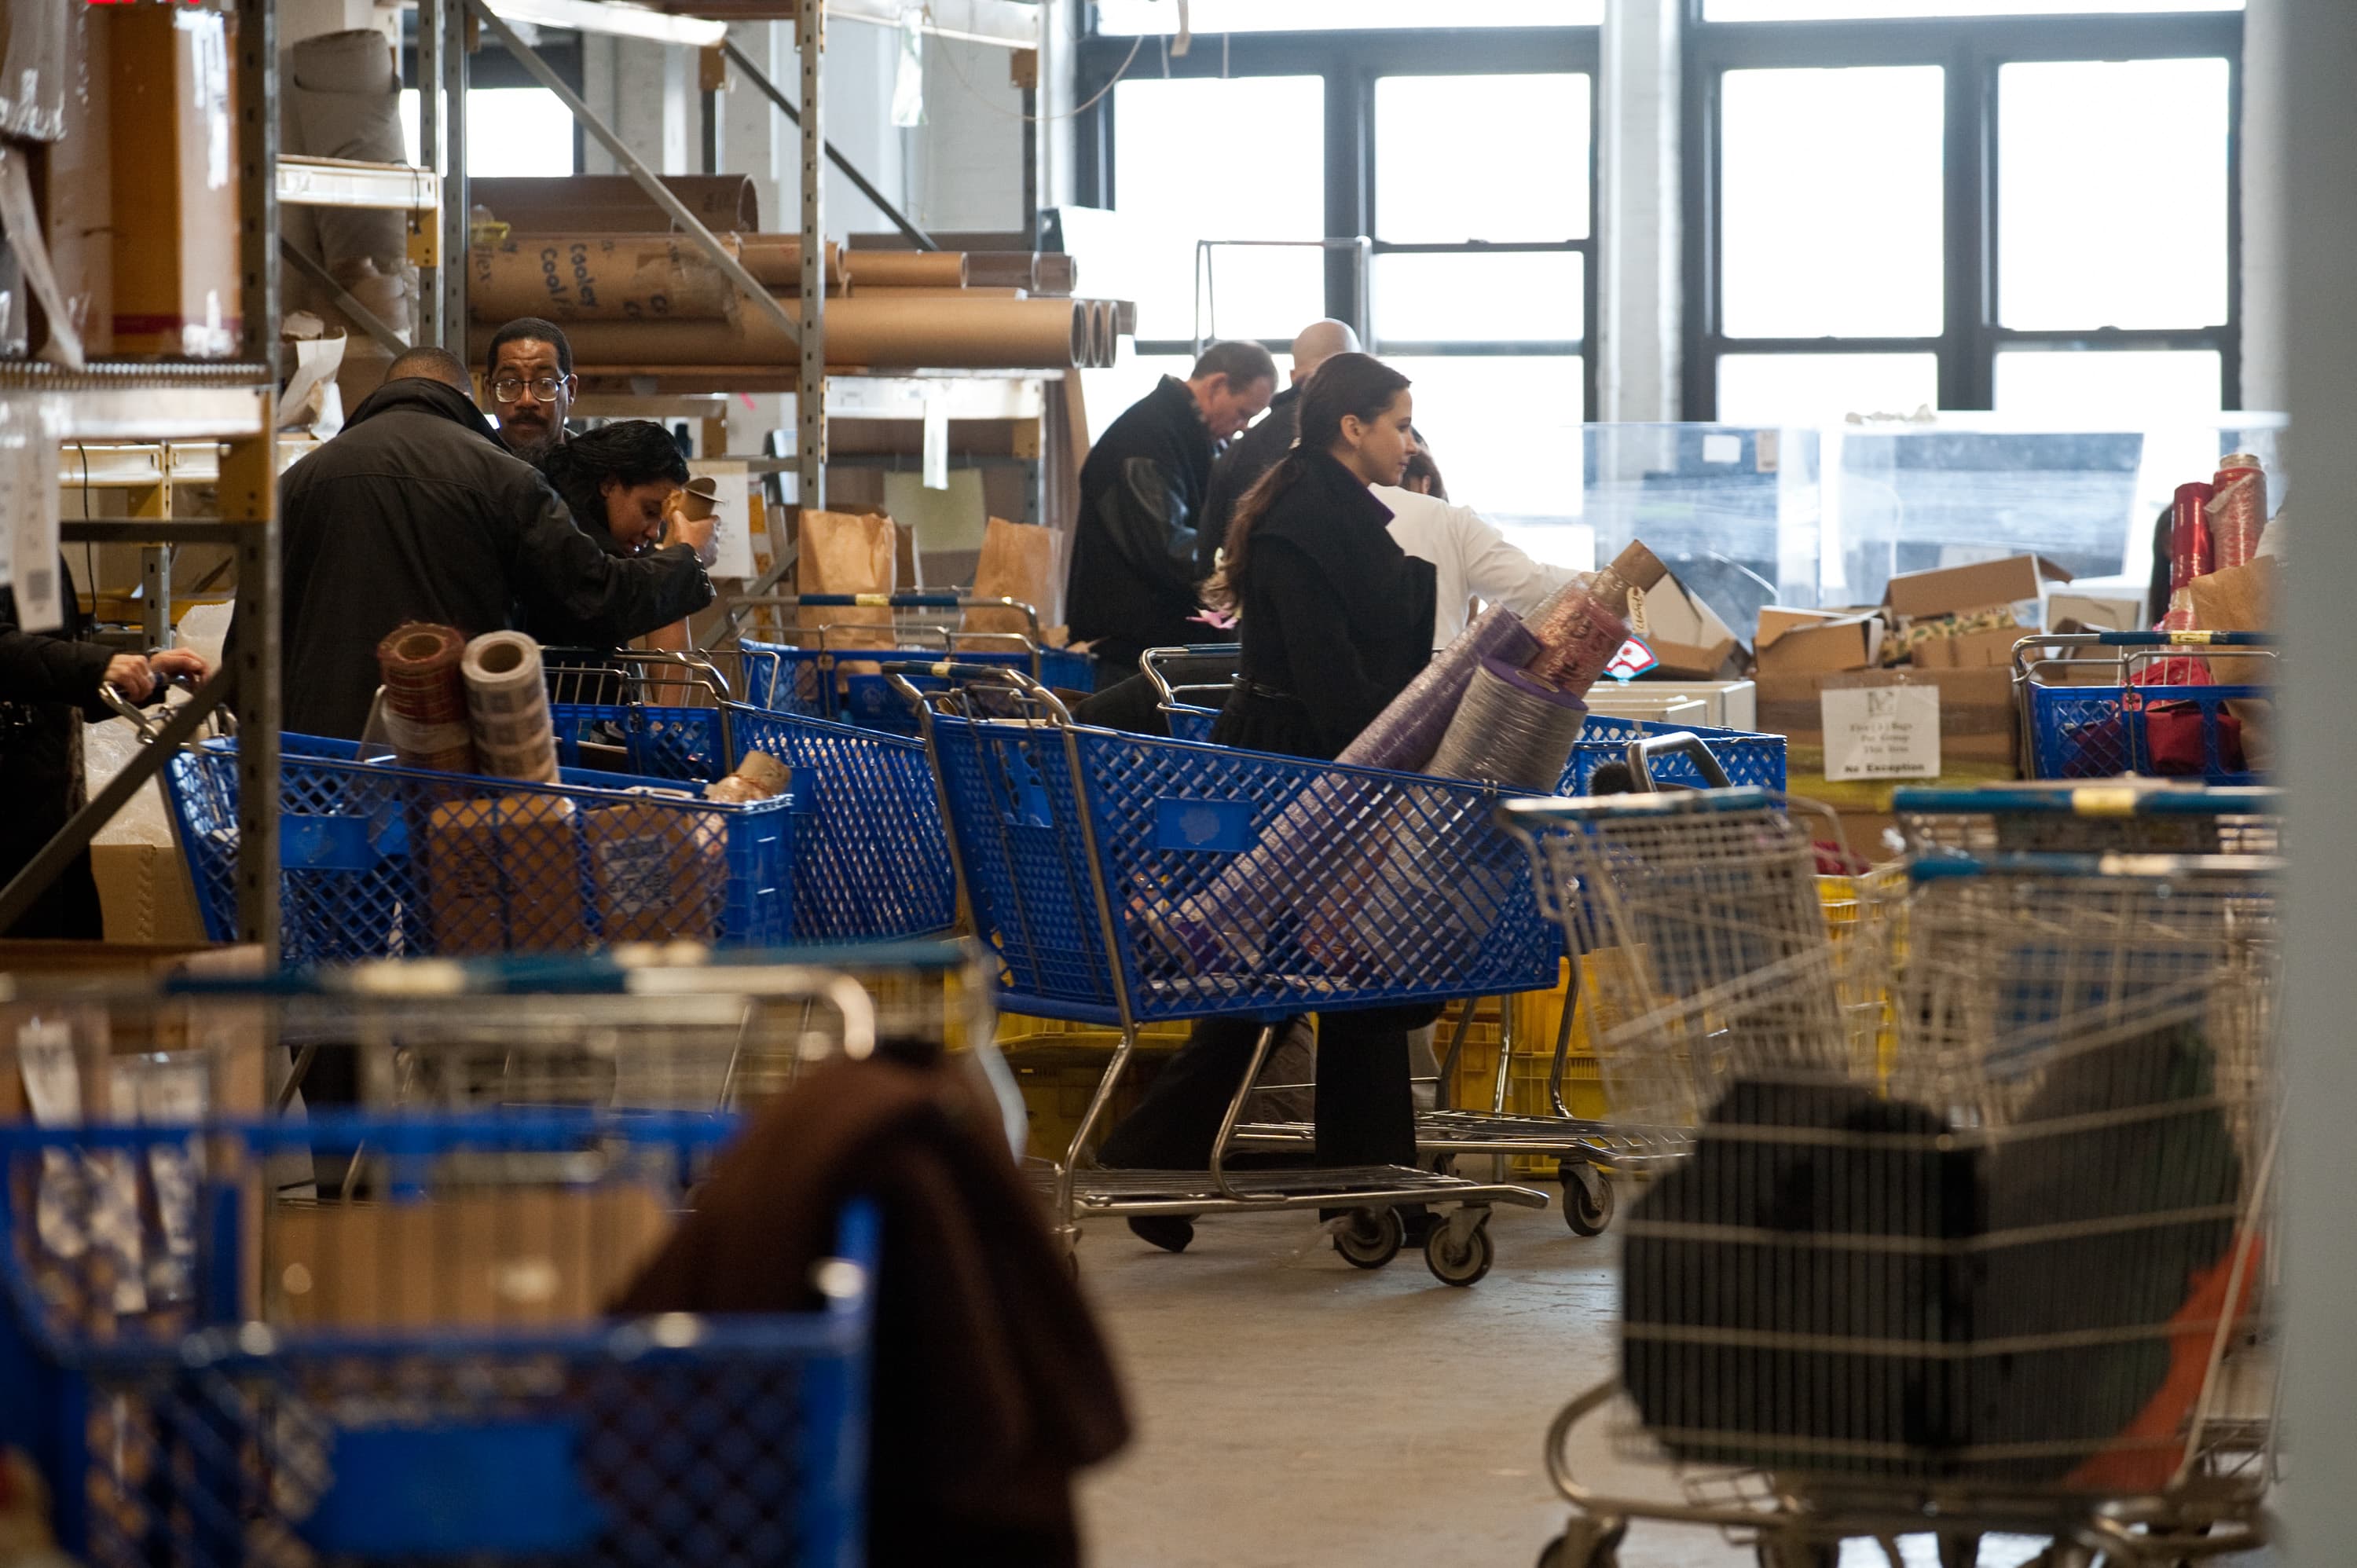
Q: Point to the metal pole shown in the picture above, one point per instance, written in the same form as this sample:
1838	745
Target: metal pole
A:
455	227
899	219
156	591
810	483
430	326
361	316
248	491
651	183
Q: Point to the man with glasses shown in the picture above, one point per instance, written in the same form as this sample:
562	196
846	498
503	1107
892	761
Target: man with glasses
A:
530	372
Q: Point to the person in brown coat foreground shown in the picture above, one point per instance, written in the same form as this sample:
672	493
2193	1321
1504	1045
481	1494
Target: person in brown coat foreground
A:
992	1385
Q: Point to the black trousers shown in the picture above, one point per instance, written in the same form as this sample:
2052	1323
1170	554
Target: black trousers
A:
1365	1114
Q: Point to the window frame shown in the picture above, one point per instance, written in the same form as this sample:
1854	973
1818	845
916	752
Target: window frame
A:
1350	63
1973	51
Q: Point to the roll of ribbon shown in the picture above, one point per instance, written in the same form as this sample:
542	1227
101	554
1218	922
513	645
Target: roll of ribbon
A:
507	707
1405	733
2237	512
425	697
1511	729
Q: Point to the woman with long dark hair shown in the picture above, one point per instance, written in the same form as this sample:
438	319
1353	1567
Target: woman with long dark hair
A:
1336	620
618	481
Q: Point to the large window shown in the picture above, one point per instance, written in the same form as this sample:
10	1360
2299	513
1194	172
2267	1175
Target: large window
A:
1433	190
1899	205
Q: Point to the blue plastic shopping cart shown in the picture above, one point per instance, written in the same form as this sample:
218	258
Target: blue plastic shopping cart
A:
2072	729
1124	879
837	675
424	1374
378	860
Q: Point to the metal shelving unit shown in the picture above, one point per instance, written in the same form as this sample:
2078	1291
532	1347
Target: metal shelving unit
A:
443	73
233	403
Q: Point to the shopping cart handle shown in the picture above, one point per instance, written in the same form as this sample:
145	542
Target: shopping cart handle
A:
1150	663
1678	743
2185	640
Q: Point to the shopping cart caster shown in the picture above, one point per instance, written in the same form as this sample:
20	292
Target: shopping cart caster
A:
1798	1554
1587	1201
1458	1255
1587	1543
1371	1237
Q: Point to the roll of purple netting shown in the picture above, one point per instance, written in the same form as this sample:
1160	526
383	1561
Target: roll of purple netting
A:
1511	728
1405	733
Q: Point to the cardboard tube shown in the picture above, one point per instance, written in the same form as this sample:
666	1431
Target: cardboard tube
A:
1100	341
425	700
777	261
870	291
507	707
907	269
1055	274
1003	269
948	334
597	277
613	203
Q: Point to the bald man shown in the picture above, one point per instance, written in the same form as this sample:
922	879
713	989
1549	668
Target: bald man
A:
1263	447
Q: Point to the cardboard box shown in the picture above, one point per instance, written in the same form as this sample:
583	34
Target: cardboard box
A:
175	203
503	875
2097	612
147	894
1851	642
1972	650
1954	590
520	1255
1685	634
74	177
661	872
1775	620
1727	704
1976	711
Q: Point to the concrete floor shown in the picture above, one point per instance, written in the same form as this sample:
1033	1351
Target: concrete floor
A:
1293	1410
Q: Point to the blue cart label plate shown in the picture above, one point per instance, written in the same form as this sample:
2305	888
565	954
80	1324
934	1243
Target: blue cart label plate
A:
1216	827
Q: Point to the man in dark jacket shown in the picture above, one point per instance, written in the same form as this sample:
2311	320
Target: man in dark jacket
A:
1263	447
416	512
48	684
1132	579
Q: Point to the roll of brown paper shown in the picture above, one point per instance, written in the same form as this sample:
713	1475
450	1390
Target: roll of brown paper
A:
949	334
1003	269
597	277
777	261
907	269
425	697
507	707
613	203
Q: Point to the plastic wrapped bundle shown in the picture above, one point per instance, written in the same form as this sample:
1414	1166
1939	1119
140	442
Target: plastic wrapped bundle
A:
1408	732
1511	729
1584	625
425	697
2238	512
507	707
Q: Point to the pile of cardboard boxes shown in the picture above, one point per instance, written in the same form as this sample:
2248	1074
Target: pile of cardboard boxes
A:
1915	688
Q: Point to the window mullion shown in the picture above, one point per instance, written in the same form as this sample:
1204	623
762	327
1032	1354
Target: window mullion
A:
1965	372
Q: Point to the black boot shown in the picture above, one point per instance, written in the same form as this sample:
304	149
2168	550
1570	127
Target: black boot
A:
1171	1232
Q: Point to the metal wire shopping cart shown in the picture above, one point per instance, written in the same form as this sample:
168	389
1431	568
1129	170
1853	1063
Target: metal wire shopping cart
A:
870	862
1124	879
218	1364
836	674
1190	703
1987	1282
2096	704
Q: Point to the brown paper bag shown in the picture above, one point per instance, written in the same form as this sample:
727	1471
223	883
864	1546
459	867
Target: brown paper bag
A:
1021	562
2240	598
847	552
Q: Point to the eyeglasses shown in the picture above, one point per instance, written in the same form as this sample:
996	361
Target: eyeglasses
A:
507	389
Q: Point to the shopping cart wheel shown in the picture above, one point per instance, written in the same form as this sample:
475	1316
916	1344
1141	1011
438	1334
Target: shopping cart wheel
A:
1588	1212
1372	1238
1463	1263
1586	1543
1798	1554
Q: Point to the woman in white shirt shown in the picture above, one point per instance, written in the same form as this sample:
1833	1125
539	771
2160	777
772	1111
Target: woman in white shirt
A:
1470	558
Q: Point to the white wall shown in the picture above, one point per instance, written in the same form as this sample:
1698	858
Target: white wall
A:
967	160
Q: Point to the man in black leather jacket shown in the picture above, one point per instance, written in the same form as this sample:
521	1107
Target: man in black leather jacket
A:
1256	451
418	512
1133	582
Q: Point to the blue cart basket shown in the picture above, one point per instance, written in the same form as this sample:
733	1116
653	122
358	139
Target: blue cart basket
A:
2072	730
836	676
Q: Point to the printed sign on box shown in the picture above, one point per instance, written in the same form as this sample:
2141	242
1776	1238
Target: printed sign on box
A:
1881	730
